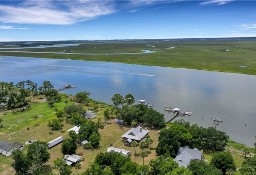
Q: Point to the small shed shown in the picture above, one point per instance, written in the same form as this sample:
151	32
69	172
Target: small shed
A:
55	142
72	159
84	142
119	121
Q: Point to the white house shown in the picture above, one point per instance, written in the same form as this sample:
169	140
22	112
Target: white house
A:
7	148
55	142
136	134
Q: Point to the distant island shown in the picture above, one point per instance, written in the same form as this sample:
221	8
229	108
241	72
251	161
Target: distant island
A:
236	55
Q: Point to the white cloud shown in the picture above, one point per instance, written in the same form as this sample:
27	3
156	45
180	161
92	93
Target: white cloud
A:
216	2
55	12
149	2
248	26
5	27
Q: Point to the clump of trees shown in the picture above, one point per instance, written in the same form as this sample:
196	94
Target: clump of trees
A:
209	138
182	134
55	124
33	161
89	131
82	97
137	114
198	167
117	164
69	146
170	139
224	162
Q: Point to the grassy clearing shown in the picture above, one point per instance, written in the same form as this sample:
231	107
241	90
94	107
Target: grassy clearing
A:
211	55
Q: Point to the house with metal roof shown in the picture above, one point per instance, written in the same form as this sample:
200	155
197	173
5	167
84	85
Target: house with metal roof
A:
118	150
7	148
72	159
186	154
136	134
55	142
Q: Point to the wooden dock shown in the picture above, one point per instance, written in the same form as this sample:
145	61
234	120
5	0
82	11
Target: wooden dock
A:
176	114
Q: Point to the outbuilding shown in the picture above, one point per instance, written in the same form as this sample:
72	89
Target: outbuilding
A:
118	150
72	159
7	148
55	142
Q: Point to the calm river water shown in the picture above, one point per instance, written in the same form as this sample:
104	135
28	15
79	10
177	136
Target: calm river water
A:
230	97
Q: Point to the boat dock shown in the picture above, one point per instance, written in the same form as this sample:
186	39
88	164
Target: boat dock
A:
176	114
67	86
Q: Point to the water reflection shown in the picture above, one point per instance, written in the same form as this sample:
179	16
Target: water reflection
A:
227	96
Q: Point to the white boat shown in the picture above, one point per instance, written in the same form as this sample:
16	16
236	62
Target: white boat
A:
188	113
142	101
150	106
167	109
176	110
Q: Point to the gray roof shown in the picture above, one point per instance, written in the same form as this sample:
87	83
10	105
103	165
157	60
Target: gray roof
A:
9	146
185	155
70	159
135	133
90	114
55	141
118	150
84	142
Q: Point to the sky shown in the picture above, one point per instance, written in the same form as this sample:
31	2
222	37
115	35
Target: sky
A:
32	20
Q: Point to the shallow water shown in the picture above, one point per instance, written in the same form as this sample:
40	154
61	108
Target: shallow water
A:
230	97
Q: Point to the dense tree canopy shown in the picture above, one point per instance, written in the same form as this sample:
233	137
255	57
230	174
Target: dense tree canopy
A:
141	114
117	100
170	139
249	166
206	138
32	162
74	108
82	97
55	124
198	167
68	146
162	165
129	99
112	159
223	161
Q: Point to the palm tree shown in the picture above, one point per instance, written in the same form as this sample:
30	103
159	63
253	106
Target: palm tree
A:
149	141
143	154
106	115
134	144
144	144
